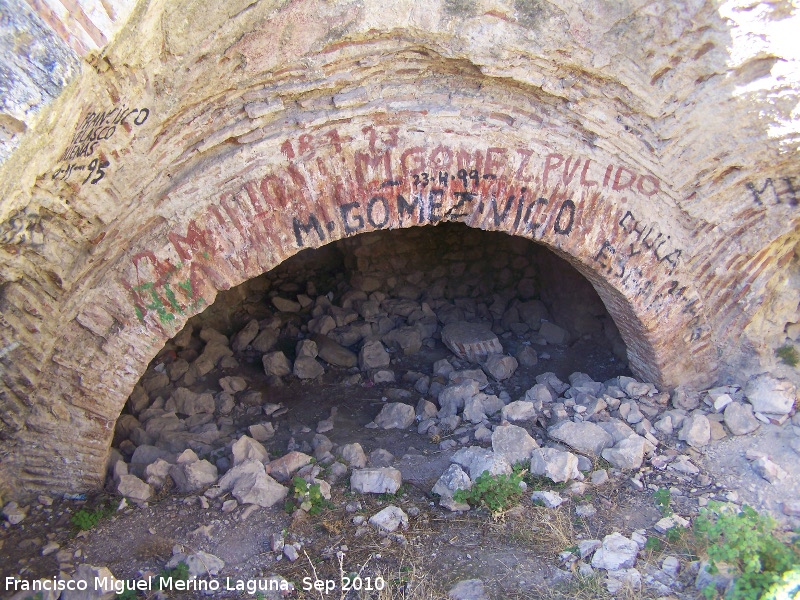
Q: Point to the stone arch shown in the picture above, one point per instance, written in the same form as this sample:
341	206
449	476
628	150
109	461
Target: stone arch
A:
224	161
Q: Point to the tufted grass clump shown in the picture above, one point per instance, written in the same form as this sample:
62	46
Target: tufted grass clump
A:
744	541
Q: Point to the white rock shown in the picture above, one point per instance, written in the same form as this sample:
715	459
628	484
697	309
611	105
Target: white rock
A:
373	356
246	448
469	589
284	467
513	443
250	484
452	480
769	470
558	465
396	415
627	454
739	418
386	480
92	575
696	431
390	519
477	460
585	437
521	410
13	513
200	564
549	499
500	367
134	488
276	364
616	552
770	395
354	455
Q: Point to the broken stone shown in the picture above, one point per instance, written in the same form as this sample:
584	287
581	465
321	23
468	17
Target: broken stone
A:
426	409
284	305
373	356
769	470
527	357
499	366
696	431
261	432
246	448
616	552
13	513
284	467
334	353
246	335
739	418
265	340
396	415
453	398
250	484
553	334
188	403
474	411
453	479
513	443
770	395
558	465
685	399
549	499
134	488
353	455
627	454
470	341
380	458
231	385
390	519
306	367
584	437
306	348
520	410
477	460
386	480
193	476
276	364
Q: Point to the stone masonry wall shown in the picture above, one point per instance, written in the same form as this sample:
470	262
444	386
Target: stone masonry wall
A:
209	142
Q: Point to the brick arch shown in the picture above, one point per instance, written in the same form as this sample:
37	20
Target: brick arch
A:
231	155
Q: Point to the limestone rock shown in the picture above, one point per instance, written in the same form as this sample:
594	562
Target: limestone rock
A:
549	499
474	411
769	470
453	479
520	410
396	415
696	431
770	395
453	397
477	460
627	454
386	480
584	437
306	367
285	305
284	467
134	488
189	403
265	340
353	455
200	564
193	476
246	448
307	348
513	443
499	366
470	341
246	335
373	356
558	465
276	364
250	484
616	552
553	333
739	418
13	513
231	385
390	519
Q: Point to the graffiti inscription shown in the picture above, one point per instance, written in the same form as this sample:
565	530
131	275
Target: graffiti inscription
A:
780	191
22	227
100	126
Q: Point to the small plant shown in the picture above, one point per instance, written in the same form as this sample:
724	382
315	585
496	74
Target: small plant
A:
87	519
653	543
662	500
495	492
744	541
180	572
788	354
387	497
307	497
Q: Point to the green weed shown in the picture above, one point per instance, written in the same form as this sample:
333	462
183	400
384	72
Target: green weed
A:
85	519
745	541
495	492
307	497
662	500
